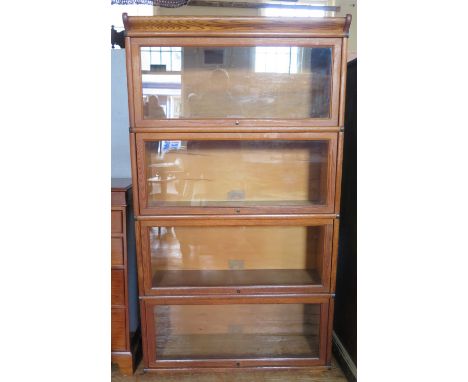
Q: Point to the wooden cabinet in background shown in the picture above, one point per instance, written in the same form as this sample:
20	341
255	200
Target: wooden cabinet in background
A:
236	133
125	331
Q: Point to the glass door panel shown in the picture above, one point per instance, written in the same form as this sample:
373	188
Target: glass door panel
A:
261	82
237	331
200	256
237	174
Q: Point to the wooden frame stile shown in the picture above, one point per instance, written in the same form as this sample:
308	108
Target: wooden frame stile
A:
131	115
236	363
344	68
140	260
229	220
134	163
334	261
339	170
331	310
129	64
144	332
241	124
341	121
141	288
142	138
334	264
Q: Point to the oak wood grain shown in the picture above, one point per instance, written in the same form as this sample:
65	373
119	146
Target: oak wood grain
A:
154	26
117	251
118	287
130	81
339	172
125	362
133	166
334	259
329	325
119	327
344	68
117	221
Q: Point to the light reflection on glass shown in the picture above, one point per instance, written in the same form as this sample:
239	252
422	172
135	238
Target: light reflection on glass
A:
234	173
236	255
236	82
237	331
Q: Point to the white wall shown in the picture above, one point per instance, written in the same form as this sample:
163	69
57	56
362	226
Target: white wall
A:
349	6
120	165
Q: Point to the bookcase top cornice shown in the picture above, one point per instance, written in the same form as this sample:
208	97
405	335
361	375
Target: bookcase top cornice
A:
207	26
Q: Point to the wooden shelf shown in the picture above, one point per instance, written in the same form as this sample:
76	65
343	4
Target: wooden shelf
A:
236	345
212	278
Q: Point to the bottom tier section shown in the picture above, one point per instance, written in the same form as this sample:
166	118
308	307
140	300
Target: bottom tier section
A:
234	331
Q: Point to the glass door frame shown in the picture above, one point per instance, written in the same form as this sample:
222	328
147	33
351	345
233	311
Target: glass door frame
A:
140	124
148	323
145	266
274	208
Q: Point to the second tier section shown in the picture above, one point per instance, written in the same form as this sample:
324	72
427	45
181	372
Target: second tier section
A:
236	173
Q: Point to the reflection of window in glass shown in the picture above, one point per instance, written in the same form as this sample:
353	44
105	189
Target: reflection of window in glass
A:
161	77
276	59
213	56
161	59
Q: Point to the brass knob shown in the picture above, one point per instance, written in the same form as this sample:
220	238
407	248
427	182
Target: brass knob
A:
237	123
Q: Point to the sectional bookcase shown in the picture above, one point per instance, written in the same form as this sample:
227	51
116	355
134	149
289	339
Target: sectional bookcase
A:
236	132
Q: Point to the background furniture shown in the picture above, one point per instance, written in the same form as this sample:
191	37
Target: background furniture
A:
237	187
125	329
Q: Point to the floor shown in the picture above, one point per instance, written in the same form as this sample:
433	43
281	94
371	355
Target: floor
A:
333	375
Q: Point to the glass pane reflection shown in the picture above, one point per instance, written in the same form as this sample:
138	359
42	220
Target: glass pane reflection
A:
236	173
236	82
236	255
237	331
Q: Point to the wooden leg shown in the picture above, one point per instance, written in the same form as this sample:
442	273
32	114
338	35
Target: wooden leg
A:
125	362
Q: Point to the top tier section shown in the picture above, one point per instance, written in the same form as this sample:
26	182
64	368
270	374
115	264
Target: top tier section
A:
235	74
179	26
